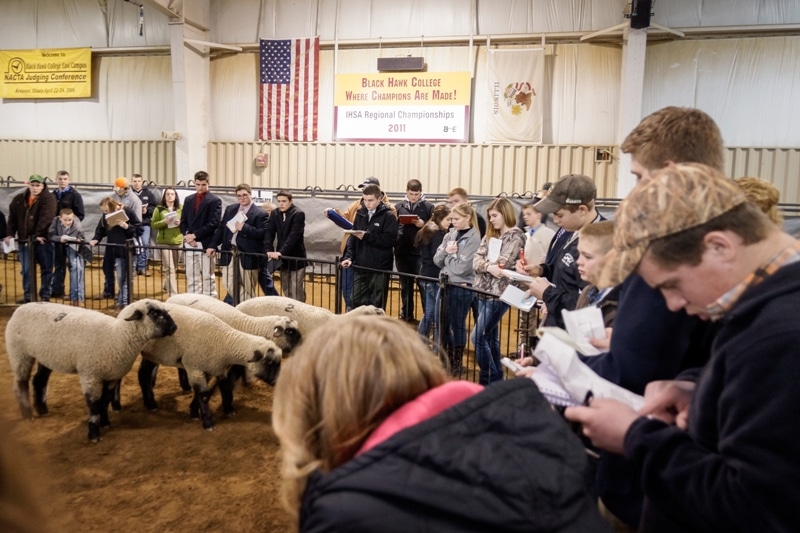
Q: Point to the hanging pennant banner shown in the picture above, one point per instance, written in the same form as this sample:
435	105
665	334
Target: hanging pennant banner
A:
428	107
55	73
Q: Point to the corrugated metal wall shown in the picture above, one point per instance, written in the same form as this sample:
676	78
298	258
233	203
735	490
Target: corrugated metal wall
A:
484	170
88	161
481	169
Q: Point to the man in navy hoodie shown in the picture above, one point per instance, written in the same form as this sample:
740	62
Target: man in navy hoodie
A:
717	452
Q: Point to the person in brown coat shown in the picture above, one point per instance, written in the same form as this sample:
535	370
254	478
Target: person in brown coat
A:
29	216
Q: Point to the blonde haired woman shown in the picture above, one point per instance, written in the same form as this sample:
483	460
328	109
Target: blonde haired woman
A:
375	438
454	256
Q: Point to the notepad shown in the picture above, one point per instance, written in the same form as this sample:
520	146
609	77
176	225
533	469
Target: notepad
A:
551	387
115	218
9	246
576	377
408	219
516	298
240	217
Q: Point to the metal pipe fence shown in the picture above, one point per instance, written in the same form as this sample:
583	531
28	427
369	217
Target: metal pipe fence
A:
323	282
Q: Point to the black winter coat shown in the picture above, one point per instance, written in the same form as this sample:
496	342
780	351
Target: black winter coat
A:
375	250
289	228
501	460
406	233
71	199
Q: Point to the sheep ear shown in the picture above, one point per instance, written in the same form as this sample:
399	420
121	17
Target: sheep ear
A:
257	356
137	315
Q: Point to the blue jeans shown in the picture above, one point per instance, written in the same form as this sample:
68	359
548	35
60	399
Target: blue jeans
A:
121	270
43	255
347	288
459	300
141	258
486	339
76	269
430	289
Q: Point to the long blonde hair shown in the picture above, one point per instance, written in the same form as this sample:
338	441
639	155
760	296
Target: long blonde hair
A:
467	211
344	380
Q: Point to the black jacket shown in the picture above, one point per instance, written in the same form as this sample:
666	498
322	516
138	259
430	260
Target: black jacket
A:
202	222
33	221
289	228
375	250
71	199
116	235
407	232
501	460
149	199
250	239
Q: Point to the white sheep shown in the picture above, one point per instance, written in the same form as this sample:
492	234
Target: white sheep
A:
206	346
99	348
308	317
281	329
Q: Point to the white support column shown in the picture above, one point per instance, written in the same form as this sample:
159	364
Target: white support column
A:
191	94
630	109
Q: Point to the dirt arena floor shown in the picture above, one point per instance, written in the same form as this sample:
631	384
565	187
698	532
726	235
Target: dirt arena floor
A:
158	471
155	471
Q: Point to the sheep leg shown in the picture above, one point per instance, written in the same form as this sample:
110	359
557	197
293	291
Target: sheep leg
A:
22	371
183	379
115	395
238	372
201	395
226	385
40	389
93	392
148	371
110	390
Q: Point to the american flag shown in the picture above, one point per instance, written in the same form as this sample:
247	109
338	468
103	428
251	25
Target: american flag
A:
289	89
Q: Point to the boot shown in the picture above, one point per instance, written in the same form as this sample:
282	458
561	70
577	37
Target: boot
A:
456	360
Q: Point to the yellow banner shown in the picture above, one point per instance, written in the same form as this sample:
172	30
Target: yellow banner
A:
55	73
398	88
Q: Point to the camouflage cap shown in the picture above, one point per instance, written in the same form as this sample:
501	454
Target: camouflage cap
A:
677	198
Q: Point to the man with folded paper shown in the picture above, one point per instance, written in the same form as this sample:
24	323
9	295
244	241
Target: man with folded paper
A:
717	452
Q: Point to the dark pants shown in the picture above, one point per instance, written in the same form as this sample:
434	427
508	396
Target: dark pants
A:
408	264
43	256
60	266
370	288
108	272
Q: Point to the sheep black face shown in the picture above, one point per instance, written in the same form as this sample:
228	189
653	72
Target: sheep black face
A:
163	321
266	367
293	337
